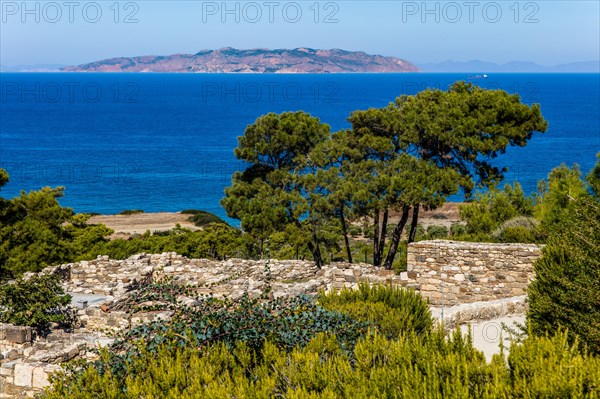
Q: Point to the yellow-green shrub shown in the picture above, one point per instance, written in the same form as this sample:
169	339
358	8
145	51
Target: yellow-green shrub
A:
408	367
393	310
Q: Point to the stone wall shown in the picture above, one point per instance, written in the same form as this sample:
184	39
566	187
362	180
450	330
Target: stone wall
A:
231	278
460	272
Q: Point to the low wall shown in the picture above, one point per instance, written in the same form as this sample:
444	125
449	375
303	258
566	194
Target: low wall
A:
459	272
444	271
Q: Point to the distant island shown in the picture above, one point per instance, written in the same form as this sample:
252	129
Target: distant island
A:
230	60
298	60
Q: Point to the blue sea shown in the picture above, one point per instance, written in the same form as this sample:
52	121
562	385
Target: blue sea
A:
164	142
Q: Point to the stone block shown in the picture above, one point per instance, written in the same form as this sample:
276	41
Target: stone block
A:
18	334
40	377
5	372
23	374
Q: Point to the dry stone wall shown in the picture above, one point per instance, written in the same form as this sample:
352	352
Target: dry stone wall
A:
461	272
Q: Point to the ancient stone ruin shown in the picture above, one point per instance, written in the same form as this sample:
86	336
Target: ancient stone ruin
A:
446	272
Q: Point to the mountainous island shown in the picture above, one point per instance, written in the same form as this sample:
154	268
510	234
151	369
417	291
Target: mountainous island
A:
230	60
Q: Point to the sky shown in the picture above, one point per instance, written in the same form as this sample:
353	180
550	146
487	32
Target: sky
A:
73	32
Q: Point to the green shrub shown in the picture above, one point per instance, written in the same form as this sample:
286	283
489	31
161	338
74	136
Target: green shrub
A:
492	208
420	232
401	262
518	229
354	230
190	211
554	199
392	309
287	322
202	218
36	302
410	367
457	230
566	290
130	212
439	216
436	232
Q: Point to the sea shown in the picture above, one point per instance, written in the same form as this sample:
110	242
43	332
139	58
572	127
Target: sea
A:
164	142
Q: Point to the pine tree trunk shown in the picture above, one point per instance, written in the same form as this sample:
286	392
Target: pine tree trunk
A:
314	249
376	258
395	240
413	224
382	235
345	232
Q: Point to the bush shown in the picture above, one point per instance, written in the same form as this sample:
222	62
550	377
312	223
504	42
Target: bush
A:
419	232
36	302
566	290
287	322
392	310
410	367
492	208
457	230
401	262
130	212
554	200
436	232
518	229
354	230
202	218
439	216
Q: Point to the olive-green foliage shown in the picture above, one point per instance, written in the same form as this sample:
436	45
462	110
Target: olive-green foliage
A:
202	218
436	232
457	230
131	212
593	178
491	209
33	232
354	230
395	311
407	367
216	241
566	290
287	322
554	200
36	302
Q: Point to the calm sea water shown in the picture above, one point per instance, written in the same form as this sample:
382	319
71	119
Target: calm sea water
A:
164	142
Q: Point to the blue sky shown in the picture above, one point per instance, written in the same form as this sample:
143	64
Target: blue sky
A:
545	32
